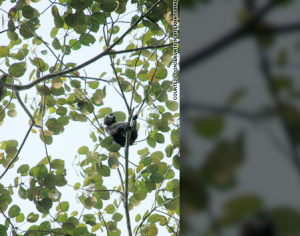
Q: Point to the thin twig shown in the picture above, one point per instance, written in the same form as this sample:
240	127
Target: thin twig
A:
146	217
15	157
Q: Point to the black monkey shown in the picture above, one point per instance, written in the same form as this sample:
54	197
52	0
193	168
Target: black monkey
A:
2	88
258	225
118	129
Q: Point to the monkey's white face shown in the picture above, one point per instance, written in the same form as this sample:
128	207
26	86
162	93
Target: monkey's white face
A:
110	119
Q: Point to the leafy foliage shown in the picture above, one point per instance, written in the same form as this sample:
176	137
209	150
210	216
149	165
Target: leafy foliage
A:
46	66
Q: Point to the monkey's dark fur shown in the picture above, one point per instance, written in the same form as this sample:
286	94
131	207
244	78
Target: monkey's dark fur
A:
118	129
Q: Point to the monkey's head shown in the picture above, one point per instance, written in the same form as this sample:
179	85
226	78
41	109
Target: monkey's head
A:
110	119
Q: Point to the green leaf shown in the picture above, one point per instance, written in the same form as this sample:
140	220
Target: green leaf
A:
22	193
81	5
89	219
161	74
20	218
57	83
286	219
61	101
155	217
137	98
126	86
3	230
138	217
93	84
143	152
176	161
45	160
159	138
60	180
169	150
115	30
12	36
283	83
104	111
17	69
58	164
104	170
175	137
61	111
12	142
157	178
90	202
114	147
139	195
37	41
26	31
97	100
120	116
93	137
77	186
56	44
282	57
22	53
162	125
14	211
62	218
110	209
30	12
235	96
151	142
95	227
58	21
134	19
130	73
172	105
4	51
23	170
45	226
48	139
83	150
32	217
99	17
72	20
53	32
113	162
117	217
50	101
38	171
12	113
150	185
87	39
63	206
108	5
55	126
209	127
170	174
50	180
106	142
243	205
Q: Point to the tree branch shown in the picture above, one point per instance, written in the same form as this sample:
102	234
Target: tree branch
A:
227	39
104	53
265	67
15	157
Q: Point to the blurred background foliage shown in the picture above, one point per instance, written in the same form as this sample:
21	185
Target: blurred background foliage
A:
240	67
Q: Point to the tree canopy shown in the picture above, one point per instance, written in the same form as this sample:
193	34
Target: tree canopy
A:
76	62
